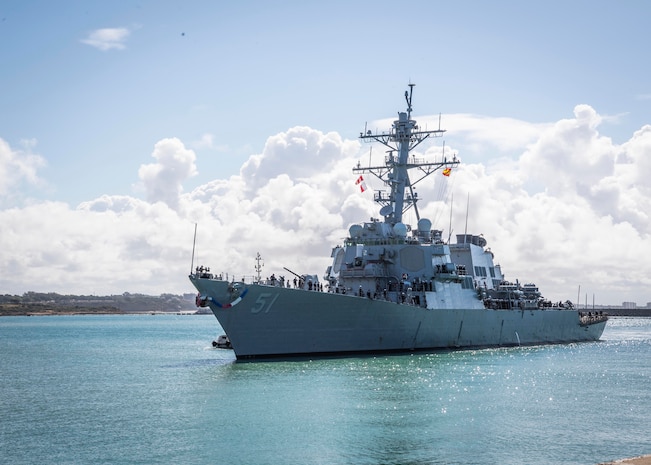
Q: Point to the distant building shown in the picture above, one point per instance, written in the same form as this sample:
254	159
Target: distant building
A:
629	305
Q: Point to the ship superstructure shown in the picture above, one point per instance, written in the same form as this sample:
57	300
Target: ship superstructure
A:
391	286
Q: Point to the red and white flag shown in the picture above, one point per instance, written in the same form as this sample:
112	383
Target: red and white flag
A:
360	182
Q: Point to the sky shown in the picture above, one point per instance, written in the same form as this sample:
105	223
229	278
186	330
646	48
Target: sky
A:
124	124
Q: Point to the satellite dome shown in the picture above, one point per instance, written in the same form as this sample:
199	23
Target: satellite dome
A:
400	230
355	230
386	210
424	225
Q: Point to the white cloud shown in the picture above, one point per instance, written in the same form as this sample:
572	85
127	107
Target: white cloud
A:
586	222
83	250
207	142
107	38
18	166
163	180
301	151
504	134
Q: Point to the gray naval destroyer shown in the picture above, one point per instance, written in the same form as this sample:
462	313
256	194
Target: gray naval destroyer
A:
391	287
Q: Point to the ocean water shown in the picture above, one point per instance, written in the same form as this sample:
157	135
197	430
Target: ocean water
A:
150	389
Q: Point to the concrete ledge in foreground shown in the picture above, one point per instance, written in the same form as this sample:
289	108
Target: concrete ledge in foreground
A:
641	460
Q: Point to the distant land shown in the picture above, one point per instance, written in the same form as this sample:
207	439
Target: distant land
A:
50	303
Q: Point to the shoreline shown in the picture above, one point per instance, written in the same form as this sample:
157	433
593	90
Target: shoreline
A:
53	309
100	313
91	313
116	311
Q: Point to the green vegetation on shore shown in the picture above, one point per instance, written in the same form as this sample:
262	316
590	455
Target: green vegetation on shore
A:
50	303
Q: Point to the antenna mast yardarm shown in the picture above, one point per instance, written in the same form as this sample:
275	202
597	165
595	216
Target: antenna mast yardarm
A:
405	136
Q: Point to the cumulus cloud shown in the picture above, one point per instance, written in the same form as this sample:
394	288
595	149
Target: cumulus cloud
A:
85	250
286	203
300	151
107	38
18	166
586	222
118	243
163	180
564	207
482	132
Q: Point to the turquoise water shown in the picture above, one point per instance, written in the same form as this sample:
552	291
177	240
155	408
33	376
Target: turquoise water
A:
150	389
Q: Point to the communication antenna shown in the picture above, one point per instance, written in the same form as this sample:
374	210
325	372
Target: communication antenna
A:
465	232
450	227
194	241
408	95
405	136
259	263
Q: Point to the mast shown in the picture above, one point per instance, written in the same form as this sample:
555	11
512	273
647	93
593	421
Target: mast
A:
405	135
259	263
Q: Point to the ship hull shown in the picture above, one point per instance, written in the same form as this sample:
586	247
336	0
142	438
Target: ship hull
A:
270	321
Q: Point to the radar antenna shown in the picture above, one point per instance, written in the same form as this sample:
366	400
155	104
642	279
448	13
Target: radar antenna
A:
405	135
408	95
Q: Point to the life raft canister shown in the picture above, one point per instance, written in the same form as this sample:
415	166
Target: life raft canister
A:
200	301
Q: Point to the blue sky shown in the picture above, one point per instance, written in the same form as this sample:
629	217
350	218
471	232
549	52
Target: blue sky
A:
90	88
241	71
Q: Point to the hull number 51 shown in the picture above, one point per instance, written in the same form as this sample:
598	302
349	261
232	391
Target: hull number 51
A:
264	302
